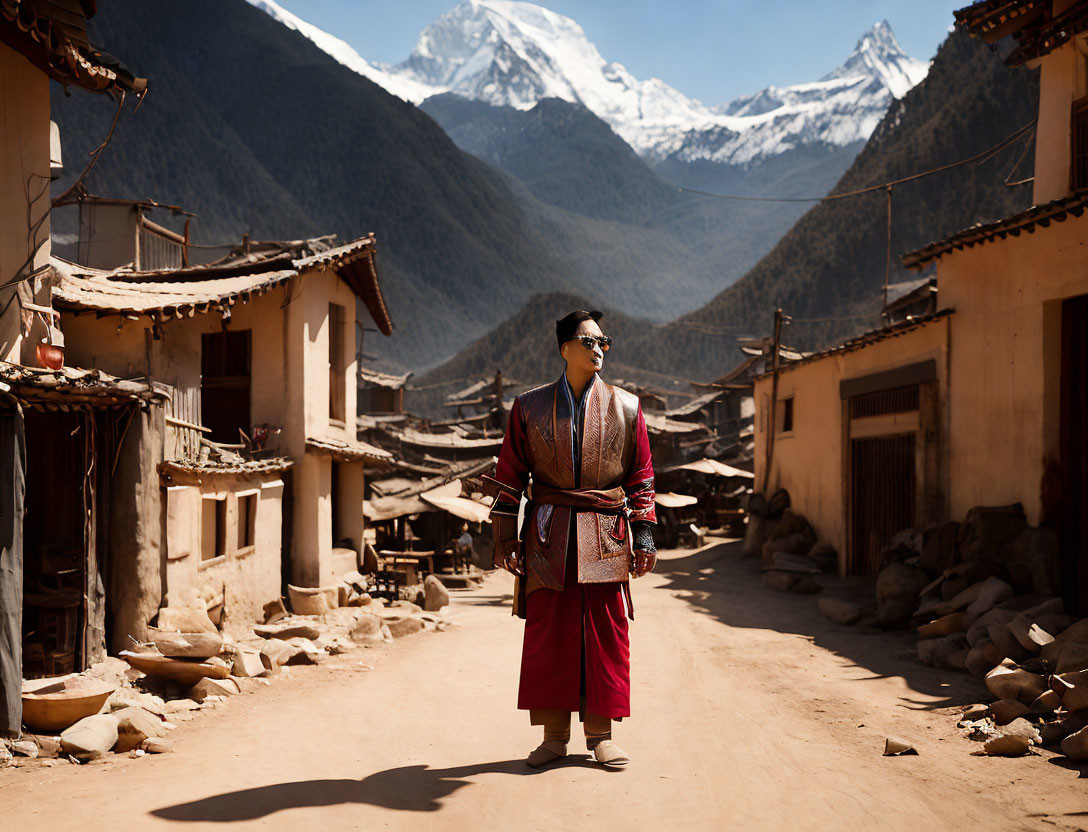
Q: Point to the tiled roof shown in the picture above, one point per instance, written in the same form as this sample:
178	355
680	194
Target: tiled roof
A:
217	286
387	380
71	387
249	466
53	36
866	338
84	289
1030	23
357	451
1038	216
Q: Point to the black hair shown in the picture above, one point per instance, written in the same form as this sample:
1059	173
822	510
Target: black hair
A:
566	327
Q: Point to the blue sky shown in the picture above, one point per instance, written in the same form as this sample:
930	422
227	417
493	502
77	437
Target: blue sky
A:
714	50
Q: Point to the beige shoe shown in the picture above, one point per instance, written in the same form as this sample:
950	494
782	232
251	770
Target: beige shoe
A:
610	754
547	752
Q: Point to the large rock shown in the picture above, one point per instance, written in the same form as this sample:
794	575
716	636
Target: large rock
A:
840	610
213	687
435	595
944	626
113	670
307	651
367	625
794	544
1032	561
185	620
1073	656
941	550
1008	681
134	725
200	645
247	662
131	698
402	625
287	630
826	557
951	652
1075	746
926	649
978	632
277	652
1005	711
91	735
992	592
1006	642
982	658
1022	728
1076	698
898	588
1007	745
755	535
796	529
791	582
1076	633
987	530
312	600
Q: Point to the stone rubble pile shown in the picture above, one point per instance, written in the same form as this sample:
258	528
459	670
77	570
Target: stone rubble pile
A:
983	597
187	666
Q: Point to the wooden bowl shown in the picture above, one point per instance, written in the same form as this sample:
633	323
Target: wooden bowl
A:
51	713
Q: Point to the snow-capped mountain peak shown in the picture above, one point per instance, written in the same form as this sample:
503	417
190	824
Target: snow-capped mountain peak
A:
342	52
879	55
515	54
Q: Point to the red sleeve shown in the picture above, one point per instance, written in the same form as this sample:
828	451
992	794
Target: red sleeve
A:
512	469
639	482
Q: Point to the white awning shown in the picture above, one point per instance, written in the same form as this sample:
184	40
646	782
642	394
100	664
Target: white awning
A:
671	500
712	466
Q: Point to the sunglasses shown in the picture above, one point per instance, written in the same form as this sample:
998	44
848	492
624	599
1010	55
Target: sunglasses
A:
590	341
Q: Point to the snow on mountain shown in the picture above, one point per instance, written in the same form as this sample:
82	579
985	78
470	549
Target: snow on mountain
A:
341	51
514	54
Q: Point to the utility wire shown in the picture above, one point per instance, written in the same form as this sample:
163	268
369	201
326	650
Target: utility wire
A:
980	157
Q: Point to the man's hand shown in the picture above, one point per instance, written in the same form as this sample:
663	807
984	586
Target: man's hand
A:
642	563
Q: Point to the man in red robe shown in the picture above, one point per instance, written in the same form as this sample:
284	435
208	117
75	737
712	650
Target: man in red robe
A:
577	450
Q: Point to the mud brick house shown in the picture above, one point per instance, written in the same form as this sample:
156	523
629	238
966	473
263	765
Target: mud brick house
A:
985	401
253	453
59	426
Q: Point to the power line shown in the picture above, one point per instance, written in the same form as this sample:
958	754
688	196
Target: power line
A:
979	157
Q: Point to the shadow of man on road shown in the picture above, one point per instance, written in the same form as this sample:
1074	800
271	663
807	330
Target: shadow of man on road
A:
408	788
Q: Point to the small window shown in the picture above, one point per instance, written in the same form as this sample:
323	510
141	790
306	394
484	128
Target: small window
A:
337	364
785	420
213	528
247	520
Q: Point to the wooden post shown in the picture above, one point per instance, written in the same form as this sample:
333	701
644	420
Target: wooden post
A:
772	427
888	240
185	245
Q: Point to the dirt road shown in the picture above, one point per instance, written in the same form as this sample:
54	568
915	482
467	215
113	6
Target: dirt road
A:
751	712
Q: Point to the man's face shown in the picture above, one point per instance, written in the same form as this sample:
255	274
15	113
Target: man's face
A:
578	356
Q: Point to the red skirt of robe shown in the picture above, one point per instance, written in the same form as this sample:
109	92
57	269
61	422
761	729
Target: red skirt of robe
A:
557	626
